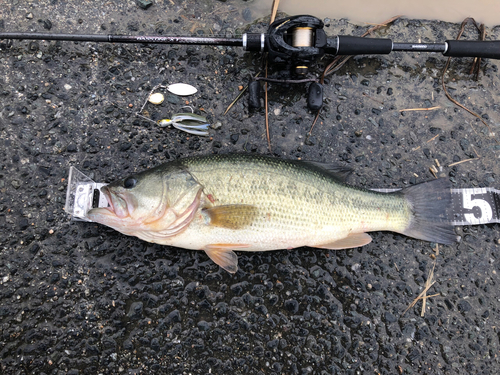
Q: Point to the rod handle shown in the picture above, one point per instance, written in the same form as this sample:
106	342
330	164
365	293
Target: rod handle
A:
354	45
473	48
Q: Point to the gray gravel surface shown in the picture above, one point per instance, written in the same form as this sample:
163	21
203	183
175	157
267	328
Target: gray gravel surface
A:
81	298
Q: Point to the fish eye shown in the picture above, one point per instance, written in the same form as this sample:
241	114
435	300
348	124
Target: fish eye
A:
129	182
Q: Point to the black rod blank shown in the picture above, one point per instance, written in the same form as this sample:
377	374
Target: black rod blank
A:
218	41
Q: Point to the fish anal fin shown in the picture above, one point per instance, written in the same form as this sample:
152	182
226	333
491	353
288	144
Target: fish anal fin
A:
351	241
232	216
224	256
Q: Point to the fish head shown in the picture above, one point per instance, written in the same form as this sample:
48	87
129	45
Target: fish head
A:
134	198
151	205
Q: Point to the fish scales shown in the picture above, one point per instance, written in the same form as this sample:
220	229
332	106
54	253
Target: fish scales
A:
221	203
294	200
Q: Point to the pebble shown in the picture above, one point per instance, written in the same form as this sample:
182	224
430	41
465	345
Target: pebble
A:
144	4
247	14
23	223
234	138
216	125
71	148
172	99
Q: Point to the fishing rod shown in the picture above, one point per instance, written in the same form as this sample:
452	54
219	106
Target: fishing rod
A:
295	42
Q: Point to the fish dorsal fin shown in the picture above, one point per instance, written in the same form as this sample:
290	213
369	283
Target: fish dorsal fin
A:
223	255
351	241
337	171
232	216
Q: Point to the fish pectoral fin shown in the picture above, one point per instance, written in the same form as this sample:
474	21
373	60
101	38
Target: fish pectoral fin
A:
223	255
351	241
232	216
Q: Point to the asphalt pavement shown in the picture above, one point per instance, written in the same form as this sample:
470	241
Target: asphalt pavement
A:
80	298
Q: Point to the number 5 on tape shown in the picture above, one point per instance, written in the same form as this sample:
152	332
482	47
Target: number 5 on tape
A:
475	206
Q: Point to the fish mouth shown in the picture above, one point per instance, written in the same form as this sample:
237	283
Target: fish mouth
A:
117	204
107	193
117	209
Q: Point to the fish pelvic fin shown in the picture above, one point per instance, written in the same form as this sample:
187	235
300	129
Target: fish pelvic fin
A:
232	216
430	203
223	255
351	241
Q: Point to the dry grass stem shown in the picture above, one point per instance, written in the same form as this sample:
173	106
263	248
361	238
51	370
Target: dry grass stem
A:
433	138
428	284
474	149
274	10
273	16
420	109
430	140
462	161
434	171
242	91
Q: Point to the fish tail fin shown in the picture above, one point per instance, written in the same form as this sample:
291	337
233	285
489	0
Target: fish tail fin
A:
430	203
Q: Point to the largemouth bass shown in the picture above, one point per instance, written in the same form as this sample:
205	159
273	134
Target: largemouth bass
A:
223	203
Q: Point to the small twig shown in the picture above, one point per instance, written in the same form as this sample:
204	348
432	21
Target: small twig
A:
462	161
375	24
267	114
433	138
474	149
433	170
420	109
420	296
238	97
430	140
276	3
428	284
423	296
477	60
273	16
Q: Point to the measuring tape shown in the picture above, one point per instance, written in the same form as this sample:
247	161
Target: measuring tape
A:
475	206
469	206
